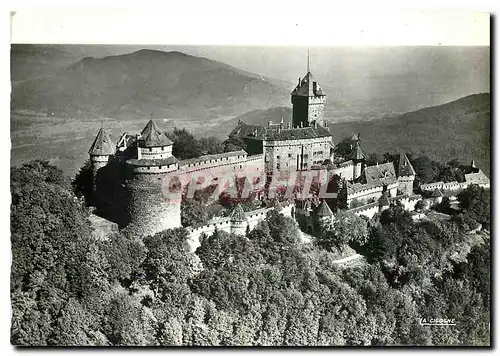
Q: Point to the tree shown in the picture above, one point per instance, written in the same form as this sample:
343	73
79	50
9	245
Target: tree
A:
185	145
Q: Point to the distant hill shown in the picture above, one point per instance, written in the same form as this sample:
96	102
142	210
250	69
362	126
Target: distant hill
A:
166	84
458	129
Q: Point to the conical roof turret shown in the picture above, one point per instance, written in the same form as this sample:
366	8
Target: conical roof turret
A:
102	146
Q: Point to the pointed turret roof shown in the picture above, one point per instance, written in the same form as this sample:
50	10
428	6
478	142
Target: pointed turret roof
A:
324	210
405	168
153	137
383	200
437	193
357	152
306	87
238	214
102	146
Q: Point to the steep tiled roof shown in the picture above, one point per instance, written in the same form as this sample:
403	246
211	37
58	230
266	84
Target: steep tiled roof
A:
324	210
153	137
357	152
358	187
152	162
477	178
238	214
405	168
297	133
250	131
275	133
381	172
306	87
102	146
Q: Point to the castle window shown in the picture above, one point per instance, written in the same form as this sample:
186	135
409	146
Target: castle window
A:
161	167
277	166
277	157
289	155
150	149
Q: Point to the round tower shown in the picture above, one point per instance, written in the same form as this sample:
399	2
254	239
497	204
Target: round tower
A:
238	221
153	207
100	151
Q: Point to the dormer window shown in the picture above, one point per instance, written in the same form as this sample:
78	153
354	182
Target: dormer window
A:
315	86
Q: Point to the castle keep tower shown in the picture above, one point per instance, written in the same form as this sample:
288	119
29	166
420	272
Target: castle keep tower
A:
150	209
99	153
308	100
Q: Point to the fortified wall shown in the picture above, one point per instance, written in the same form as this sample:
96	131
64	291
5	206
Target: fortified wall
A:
369	210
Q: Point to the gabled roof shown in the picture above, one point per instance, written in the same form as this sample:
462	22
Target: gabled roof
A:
324	210
384	173
405	168
153	137
238	214
437	193
102	146
306	87
357	152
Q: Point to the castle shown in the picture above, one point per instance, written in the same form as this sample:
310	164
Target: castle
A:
153	179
